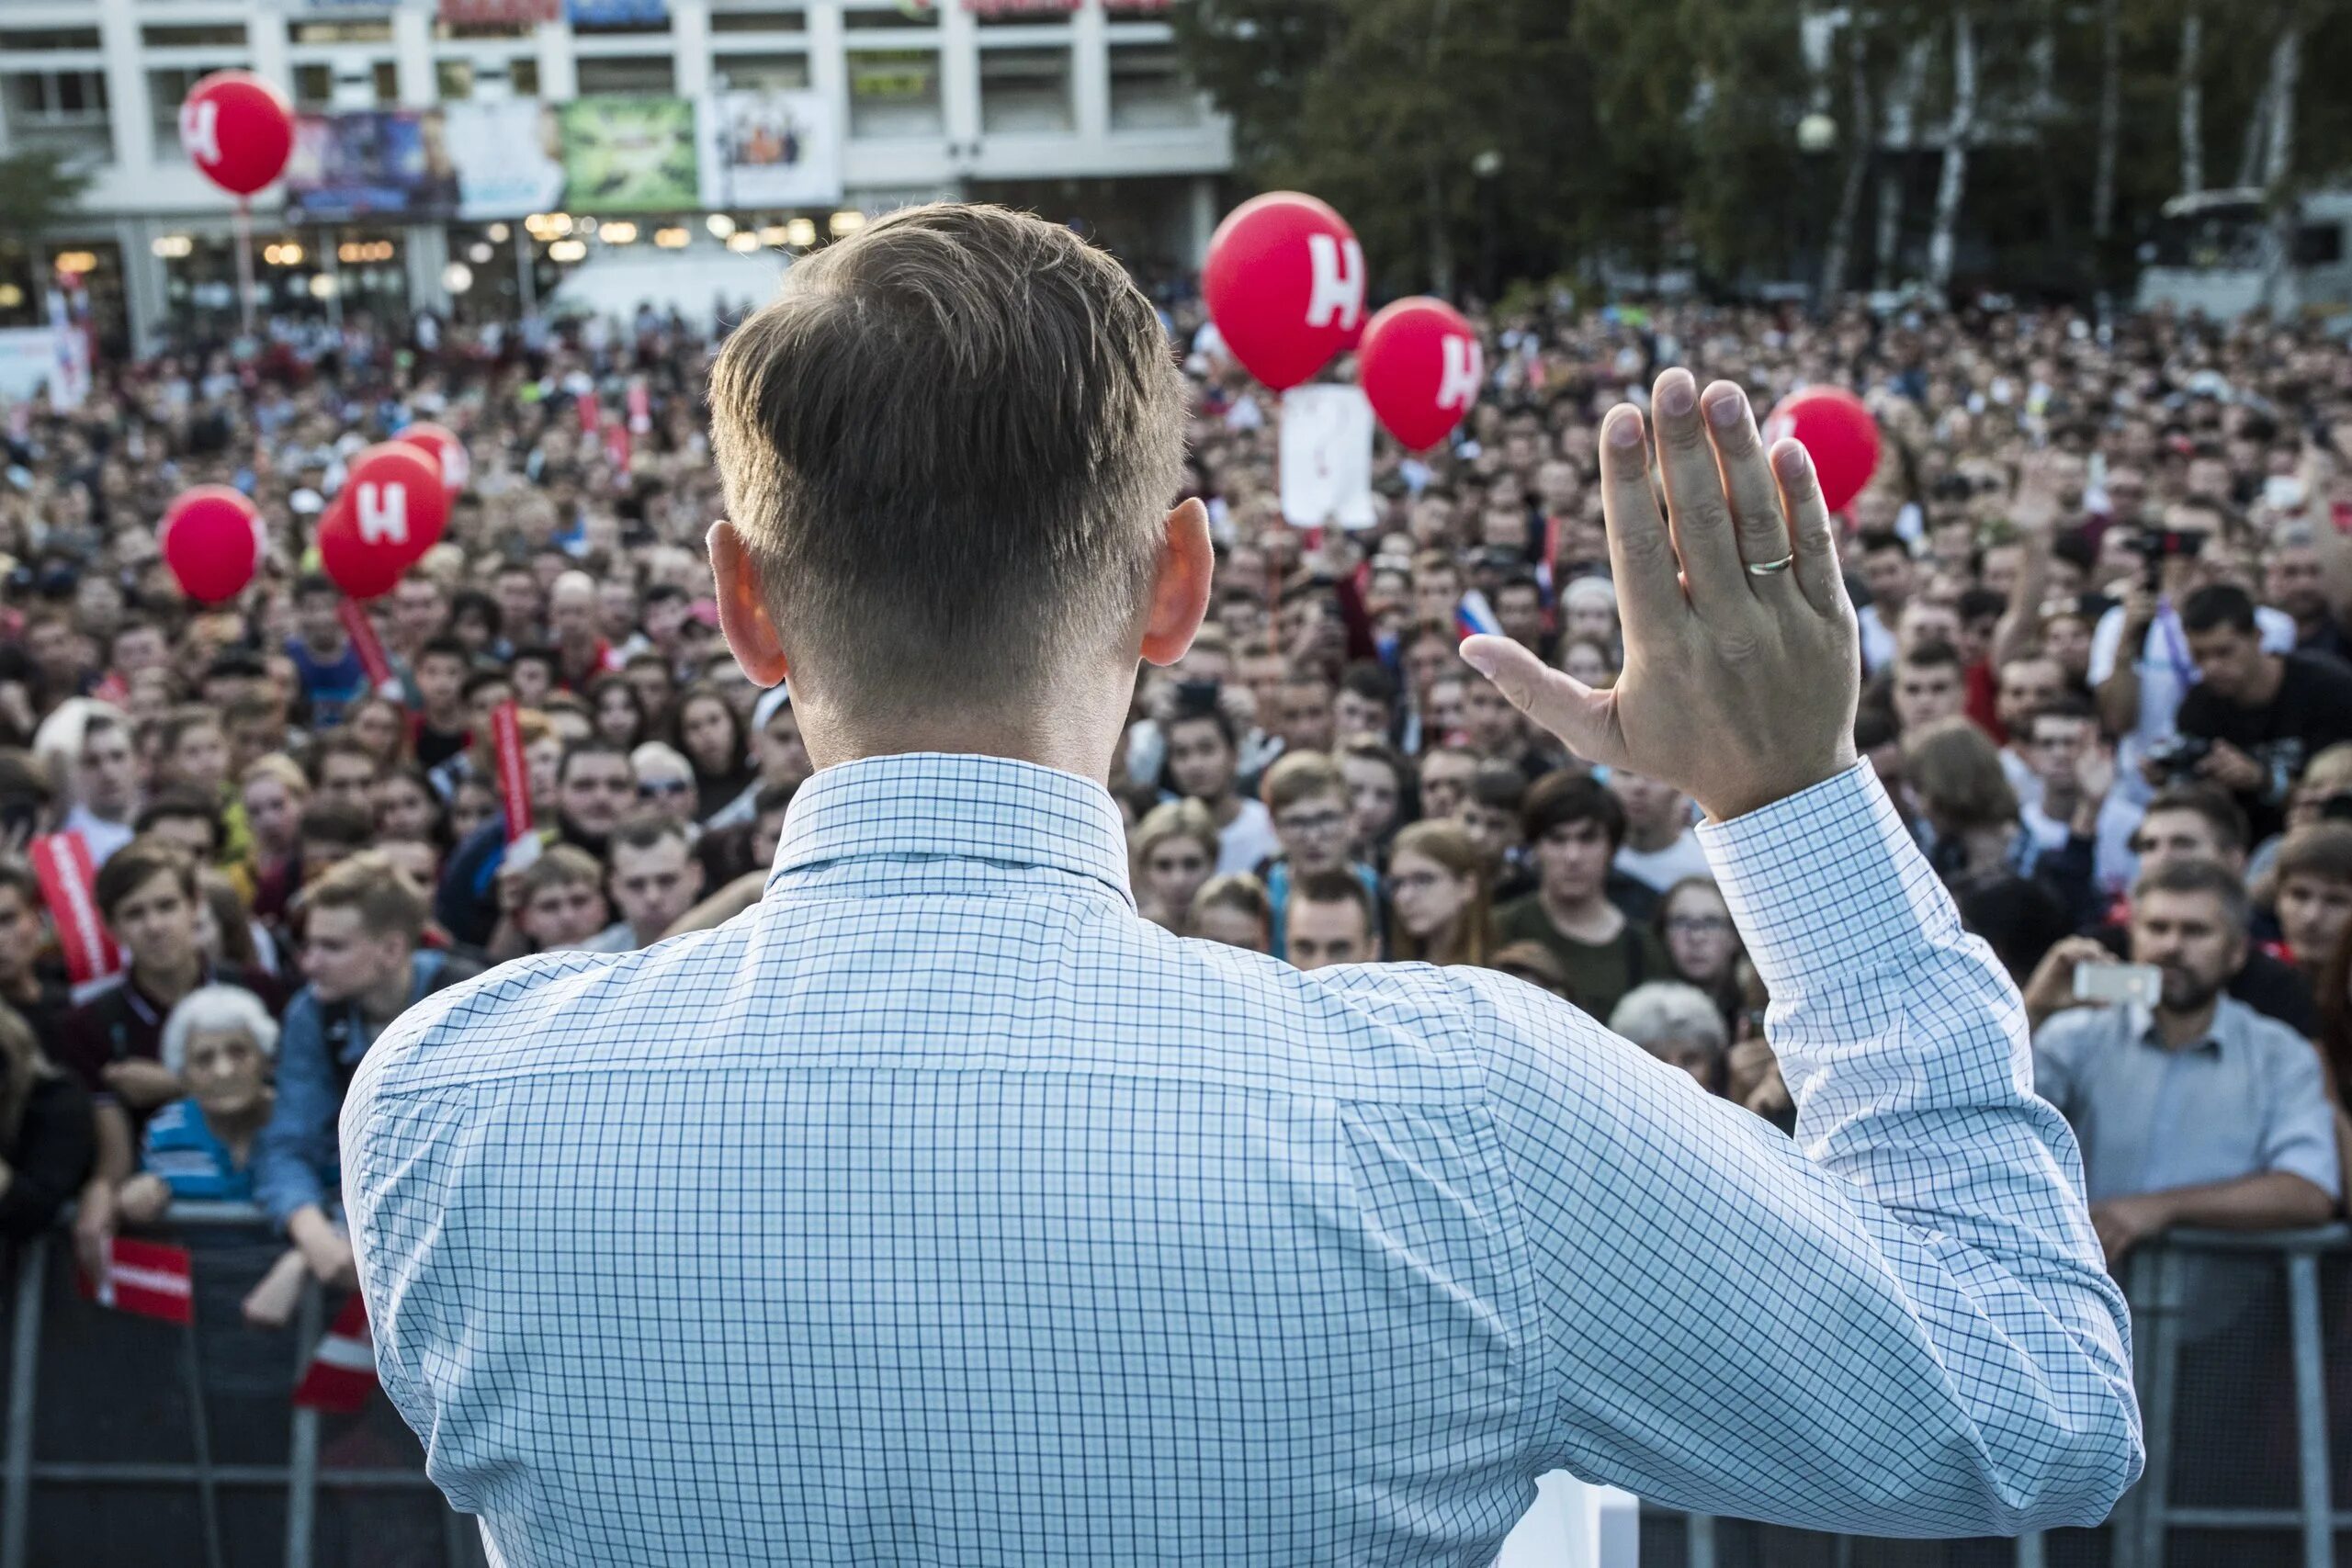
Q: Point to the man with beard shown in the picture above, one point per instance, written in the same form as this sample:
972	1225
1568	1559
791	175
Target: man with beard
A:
2199	1112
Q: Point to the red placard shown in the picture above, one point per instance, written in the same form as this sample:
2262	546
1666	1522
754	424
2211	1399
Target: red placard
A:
342	1374
366	644
148	1278
513	774
68	877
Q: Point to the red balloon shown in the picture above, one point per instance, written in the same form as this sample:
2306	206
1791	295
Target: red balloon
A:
440	444
1837	432
237	129
212	539
1284	284
390	512
1420	367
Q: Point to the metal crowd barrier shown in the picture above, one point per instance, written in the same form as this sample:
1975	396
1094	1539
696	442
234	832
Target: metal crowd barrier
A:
96	1414
2239	1396
2230	1339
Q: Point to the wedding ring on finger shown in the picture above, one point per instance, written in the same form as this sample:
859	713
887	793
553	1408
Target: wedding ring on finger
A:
1771	567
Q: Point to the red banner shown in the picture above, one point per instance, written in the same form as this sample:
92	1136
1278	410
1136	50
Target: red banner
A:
342	1374
592	413
501	13
144	1276
366	644
513	774
68	877
640	406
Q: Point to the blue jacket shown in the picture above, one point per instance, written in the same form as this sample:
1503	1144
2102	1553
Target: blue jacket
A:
320	1045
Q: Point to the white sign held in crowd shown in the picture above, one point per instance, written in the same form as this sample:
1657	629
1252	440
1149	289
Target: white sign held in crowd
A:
1326	457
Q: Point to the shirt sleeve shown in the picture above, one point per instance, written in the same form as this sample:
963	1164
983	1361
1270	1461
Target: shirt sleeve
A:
2298	1122
2106	645
1897	1323
297	1143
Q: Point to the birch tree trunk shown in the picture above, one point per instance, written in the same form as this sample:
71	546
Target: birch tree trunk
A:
2278	166
1862	133
1950	189
1901	138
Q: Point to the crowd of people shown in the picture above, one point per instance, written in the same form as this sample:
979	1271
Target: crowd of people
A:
2103	579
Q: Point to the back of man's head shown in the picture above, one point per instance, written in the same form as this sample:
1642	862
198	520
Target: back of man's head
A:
949	447
370	885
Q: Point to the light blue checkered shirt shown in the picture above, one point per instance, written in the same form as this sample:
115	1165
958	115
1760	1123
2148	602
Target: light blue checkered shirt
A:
941	1210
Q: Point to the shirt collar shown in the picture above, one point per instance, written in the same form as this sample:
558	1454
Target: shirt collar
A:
956	806
2221	1036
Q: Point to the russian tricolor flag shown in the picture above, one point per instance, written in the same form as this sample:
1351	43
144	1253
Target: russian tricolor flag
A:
1474	617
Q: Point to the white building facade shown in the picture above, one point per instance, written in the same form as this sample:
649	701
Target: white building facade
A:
1076	108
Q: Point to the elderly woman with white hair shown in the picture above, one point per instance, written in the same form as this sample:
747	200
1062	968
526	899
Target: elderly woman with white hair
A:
1679	1024
221	1042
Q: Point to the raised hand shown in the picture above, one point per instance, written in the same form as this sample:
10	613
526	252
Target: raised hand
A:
1741	654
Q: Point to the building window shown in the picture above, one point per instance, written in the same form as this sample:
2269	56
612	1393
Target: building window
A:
765	20
14	41
64	111
523	77
200	36
453	80
387	83
340	32
627	73
762	73
1026	90
1148	91
894	93
313	86
854	20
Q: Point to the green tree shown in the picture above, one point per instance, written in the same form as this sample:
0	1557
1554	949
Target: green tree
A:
40	189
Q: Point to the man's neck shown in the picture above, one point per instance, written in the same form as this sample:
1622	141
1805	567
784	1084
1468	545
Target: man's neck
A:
388	999
105	813
329	651
2177	1028
447	720
1649	840
2268	676
1592	917
167	986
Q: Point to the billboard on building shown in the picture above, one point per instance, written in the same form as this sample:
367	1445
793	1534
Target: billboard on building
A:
770	147
615	13
500	13
370	163
509	161
625	152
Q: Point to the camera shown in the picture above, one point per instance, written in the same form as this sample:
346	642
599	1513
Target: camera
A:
2175	756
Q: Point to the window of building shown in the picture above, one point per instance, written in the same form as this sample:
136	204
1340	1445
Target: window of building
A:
2319	244
313	86
64	111
1022	13
1026	90
759	19
627	73
453	80
894	93
1148	91
18	41
167	90
762	73
447	31
376	31
387	83
523	77
194	36
856	18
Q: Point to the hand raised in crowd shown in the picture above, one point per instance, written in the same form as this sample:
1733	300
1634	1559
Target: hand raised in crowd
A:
2231	768
1741	668
2035	506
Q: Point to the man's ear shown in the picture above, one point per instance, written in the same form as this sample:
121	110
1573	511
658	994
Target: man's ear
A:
743	618
1180	586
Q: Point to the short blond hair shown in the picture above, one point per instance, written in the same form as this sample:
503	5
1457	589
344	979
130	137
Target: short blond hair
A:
372	884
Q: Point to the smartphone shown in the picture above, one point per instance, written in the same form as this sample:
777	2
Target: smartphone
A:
2119	984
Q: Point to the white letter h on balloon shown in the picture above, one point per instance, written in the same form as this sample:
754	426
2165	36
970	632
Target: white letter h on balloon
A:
1337	294
381	511
1458	386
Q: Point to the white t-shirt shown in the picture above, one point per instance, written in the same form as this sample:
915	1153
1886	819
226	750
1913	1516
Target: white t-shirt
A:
1661	869
2166	670
1247	839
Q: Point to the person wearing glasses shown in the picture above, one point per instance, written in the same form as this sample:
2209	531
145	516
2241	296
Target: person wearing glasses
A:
1306	794
1702	945
665	781
1441	885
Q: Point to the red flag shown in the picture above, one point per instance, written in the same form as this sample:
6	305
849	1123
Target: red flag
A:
148	1278
342	1372
513	774
366	644
619	444
640	406
68	877
592	413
